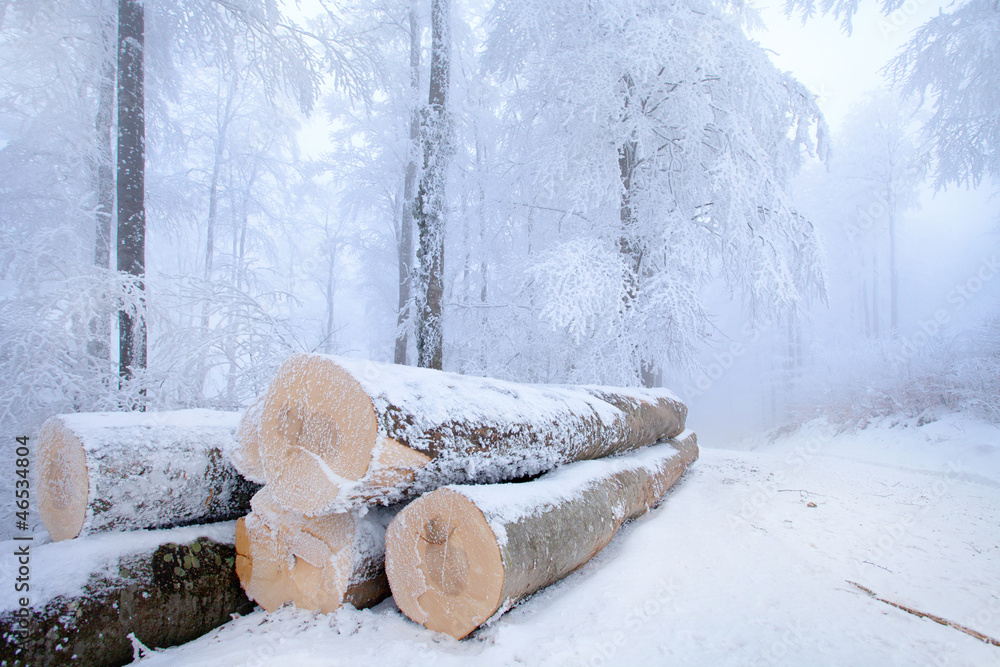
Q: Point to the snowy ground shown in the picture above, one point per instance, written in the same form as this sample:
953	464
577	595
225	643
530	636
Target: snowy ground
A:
735	568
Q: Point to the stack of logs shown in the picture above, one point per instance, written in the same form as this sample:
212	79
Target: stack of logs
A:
343	445
101	477
376	478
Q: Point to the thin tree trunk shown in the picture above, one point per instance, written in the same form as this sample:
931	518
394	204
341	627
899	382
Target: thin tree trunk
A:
222	126
331	263
875	296
429	206
893	276
865	308
408	212
131	180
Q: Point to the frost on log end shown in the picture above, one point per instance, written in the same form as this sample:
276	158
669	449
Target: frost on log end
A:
123	471
167	587
459	555
246	453
338	433
315	563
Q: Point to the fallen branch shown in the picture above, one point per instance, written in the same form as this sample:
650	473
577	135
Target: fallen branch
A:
937	619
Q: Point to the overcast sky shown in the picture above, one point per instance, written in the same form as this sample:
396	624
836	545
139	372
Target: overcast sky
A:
837	67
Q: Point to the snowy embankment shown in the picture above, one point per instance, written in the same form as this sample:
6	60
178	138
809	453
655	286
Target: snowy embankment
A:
746	563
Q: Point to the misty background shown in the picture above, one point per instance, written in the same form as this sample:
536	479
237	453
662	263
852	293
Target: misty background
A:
277	147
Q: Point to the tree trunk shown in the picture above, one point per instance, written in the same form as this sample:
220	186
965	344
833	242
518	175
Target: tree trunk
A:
167	587
628	244
430	205
332	248
99	346
318	564
246	454
337	433
409	185
131	180
893	275
459	555
122	471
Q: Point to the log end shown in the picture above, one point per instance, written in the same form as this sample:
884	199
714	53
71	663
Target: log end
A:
312	563
246	454
63	482
444	563
317	429
264	576
394	465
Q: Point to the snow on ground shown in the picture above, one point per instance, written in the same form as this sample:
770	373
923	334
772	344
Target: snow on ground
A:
735	568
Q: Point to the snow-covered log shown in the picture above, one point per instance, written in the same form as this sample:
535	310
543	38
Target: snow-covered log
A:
120	471
246	453
87	595
459	555
337	433
315	563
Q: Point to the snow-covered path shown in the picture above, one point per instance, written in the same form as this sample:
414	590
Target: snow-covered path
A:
746	563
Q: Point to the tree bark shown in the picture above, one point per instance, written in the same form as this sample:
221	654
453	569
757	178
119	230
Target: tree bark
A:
409	185
99	346
121	471
317	564
430	204
338	433
461	554
167	587
629	247
131	180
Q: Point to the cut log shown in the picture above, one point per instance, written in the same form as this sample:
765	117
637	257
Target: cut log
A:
462	554
246	453
87	595
315	563
338	433
122	471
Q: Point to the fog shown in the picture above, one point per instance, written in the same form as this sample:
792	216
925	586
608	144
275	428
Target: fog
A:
729	240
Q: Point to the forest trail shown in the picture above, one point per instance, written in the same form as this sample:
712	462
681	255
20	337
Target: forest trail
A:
748	562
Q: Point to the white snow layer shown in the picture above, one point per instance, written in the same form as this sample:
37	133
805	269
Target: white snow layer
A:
542	425
150	468
63	568
504	504
735	568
